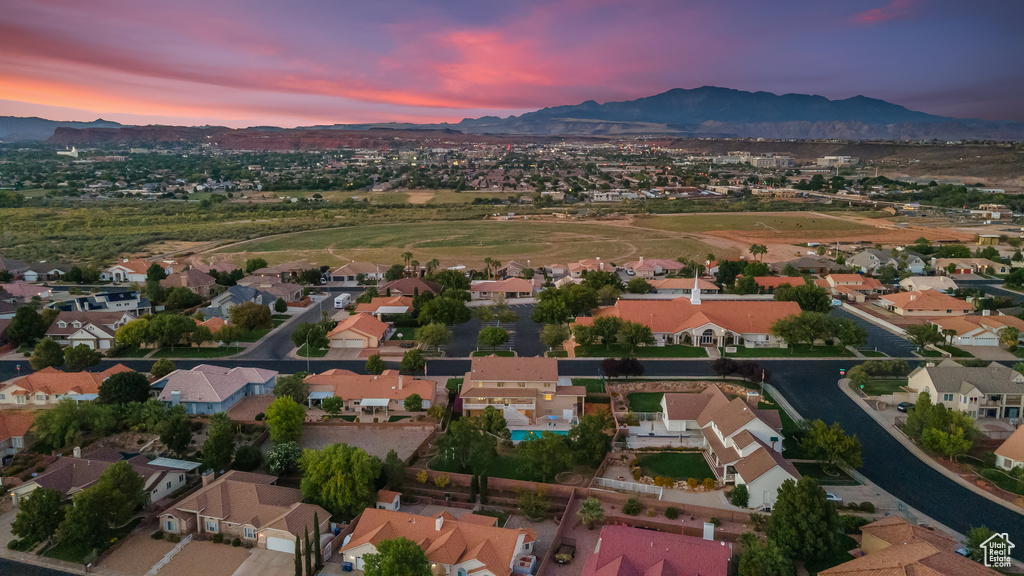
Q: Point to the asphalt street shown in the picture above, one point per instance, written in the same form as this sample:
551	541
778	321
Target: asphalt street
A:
527	335
7	567
879	338
992	288
279	343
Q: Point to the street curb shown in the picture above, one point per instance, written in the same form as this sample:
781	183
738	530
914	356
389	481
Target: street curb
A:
909	444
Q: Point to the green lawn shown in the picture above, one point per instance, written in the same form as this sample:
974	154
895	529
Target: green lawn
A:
838	556
407	333
197	352
318	353
594	385
880	387
956	352
501	467
453	384
873	354
678	465
77	554
346	417
282	317
797	351
1003	480
645	401
253	335
791	443
133	353
814	470
396	418
502	353
621	351
558	354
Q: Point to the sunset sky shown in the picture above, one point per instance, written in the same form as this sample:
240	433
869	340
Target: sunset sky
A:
301	62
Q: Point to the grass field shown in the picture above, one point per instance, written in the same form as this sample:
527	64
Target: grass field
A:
469	242
797	351
182	352
880	387
1003	480
678	465
810	225
594	385
645	401
318	353
814	470
621	350
453	384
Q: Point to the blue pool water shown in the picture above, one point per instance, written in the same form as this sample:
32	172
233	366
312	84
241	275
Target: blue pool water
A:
520	435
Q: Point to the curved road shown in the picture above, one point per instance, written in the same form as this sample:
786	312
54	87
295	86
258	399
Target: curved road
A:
811	388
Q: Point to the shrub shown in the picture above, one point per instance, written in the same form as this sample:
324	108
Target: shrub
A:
375	420
631	507
236	542
709	484
739	496
664	481
692	483
988	459
651	512
851	524
40	469
14	544
158	535
715	520
759	521
247	458
218	538
634	462
671	513
867	507
173	538
422	476
636	474
260	416
442	480
852	506
140	441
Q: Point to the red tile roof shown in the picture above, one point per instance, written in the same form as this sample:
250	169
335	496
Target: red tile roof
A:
362	324
776	281
15	424
927	300
57	383
626	551
509	285
351	386
673	316
516	369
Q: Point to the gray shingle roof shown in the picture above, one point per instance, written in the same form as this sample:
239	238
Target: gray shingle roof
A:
951	377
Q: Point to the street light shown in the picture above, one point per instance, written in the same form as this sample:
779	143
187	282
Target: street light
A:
307	352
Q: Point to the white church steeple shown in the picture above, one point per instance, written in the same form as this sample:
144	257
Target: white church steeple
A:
695	293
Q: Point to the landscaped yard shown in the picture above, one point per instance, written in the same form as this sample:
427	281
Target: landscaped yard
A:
317	353
594	385
1003	480
678	465
880	387
253	335
796	351
197	352
814	470
404	333
76	554
621	350
397	418
132	353
453	384
645	401
956	352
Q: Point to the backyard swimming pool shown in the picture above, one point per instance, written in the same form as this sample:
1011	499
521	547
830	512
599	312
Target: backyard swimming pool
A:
520	435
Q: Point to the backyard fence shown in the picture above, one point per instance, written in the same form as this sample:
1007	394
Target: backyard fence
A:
630	486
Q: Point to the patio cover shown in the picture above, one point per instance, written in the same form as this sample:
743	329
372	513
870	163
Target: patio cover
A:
374	402
320	395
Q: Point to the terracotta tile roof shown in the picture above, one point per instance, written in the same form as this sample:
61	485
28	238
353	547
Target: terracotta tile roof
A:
362	324
515	369
1013	447
189	278
509	285
387	496
385	302
136	265
57	383
408	286
390	384
683	284
214	324
674	316
897	531
206	383
776	281
473	392
626	551
356	268
916	559
456	542
15	424
927	300
689	406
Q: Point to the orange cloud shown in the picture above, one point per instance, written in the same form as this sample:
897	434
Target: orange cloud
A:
895	10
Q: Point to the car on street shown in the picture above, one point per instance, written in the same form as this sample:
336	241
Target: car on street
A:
832	497
904	406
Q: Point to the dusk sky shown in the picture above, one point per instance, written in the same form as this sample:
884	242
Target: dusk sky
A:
302	62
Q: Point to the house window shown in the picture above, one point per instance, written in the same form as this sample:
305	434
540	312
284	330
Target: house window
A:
947	397
170	526
501	384
211	526
548	396
963	399
21	400
62	324
39	397
209	406
250	532
3	396
522	384
16	442
168	485
181	477
547	384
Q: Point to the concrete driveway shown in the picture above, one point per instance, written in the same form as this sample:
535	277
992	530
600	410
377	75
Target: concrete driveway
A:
267	563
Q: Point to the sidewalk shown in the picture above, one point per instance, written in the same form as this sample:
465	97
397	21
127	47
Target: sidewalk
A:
880	418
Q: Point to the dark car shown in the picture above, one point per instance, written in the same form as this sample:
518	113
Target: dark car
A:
904	406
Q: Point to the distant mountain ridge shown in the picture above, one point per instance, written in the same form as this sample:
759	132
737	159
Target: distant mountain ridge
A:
707	111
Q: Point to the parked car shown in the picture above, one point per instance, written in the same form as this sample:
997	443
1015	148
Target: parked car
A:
832	497
904	406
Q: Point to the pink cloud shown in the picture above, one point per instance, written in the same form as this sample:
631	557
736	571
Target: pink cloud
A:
894	10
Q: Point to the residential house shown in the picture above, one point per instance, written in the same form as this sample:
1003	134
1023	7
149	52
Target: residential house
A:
683	286
871	260
681	410
409	287
290	292
743	445
368	393
509	288
72	474
42	271
94	329
372	273
45	388
14	431
810	264
359	331
651	267
22	291
208	389
894	546
195	280
770	283
527	390
470	544
627	551
222	266
284	272
1010	453
977	330
712	323
576	269
970	266
994	391
388	500
853	287
132	270
123	300
926	303
16	268
221	304
512	269
938	283
381	305
250	507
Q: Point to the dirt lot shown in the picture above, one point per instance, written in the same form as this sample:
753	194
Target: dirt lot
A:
376	440
206	559
137	555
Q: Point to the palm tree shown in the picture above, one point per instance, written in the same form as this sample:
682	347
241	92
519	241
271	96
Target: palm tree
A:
757	250
407	256
488	262
432	266
495	264
949	333
1011	337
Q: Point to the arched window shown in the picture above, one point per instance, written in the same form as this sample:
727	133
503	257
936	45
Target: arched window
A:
708	337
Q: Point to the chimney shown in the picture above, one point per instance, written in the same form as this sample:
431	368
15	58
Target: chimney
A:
77	452
438	522
641	259
208	477
399	381
175	397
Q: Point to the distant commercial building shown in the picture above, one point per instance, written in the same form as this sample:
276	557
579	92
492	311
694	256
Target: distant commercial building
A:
837	161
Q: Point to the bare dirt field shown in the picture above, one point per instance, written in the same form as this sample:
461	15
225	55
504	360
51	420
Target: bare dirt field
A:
207	559
375	440
137	555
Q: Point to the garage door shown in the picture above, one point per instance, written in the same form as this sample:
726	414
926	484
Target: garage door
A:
281	545
354	343
986	341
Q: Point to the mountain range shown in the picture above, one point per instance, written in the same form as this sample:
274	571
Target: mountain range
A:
707	111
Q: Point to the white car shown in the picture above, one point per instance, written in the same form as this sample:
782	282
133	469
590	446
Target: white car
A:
831	497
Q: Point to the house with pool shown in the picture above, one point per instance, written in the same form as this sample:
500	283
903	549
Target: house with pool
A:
528	392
